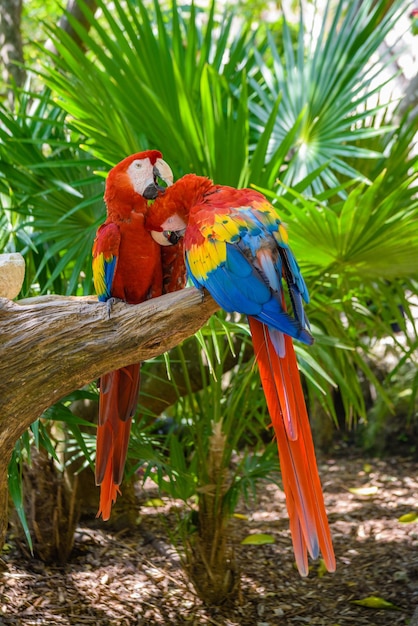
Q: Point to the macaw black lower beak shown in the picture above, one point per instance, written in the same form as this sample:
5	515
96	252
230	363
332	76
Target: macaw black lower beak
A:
152	191
173	236
167	237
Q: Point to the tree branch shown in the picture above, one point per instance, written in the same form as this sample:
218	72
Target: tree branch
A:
52	345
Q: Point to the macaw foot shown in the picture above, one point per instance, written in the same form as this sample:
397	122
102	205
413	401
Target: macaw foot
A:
110	304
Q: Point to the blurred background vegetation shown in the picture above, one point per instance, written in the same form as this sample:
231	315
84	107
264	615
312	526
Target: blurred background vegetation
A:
308	103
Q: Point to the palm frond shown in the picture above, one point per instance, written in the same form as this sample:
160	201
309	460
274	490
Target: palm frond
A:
329	82
50	184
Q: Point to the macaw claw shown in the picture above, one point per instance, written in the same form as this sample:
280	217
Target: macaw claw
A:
110	304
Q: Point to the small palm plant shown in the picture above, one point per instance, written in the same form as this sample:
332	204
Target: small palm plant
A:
52	200
214	453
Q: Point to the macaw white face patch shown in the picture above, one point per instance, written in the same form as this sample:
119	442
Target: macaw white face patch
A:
141	174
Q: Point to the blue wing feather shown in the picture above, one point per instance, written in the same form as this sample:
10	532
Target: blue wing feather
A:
249	279
109	272
105	256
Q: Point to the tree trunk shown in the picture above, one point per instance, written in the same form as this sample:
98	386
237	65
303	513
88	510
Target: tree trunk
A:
11	50
210	560
52	345
73	10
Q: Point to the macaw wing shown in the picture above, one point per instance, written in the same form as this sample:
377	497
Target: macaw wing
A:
229	279
267	215
239	261
296	285
105	256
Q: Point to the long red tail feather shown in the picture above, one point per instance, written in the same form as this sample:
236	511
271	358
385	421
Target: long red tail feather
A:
108	493
304	500
118	401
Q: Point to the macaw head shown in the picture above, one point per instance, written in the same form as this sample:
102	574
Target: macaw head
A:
168	217
170	232
137	176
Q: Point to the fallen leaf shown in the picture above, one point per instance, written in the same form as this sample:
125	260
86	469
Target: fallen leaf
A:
408	518
154	502
374	602
258	539
364	491
240	516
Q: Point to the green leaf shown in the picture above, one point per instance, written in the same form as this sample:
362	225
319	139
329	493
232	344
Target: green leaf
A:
321	569
155	502
375	602
408	518
328	87
257	539
16	493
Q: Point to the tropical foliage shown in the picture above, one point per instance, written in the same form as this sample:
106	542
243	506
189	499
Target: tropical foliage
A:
287	110
51	199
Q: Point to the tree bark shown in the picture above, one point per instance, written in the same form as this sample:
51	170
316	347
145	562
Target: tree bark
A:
75	11
11	50
52	345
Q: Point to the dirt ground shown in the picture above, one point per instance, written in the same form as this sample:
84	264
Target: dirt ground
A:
135	578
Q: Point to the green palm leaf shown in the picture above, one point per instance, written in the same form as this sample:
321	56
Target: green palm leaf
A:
329	83
140	85
50	184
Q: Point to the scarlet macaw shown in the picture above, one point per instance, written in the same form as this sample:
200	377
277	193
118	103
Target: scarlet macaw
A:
237	248
126	265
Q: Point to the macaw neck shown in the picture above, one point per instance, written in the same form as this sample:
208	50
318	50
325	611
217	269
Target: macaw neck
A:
177	202
121	210
187	192
193	189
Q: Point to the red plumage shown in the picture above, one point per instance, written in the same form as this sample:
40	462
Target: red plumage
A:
236	247
127	265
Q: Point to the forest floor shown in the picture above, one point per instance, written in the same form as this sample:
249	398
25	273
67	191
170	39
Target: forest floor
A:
134	577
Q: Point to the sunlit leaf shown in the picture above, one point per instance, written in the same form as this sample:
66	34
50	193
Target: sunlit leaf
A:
258	539
364	491
155	502
408	518
375	602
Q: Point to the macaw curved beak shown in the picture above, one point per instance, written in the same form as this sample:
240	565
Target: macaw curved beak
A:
167	237
172	230
161	171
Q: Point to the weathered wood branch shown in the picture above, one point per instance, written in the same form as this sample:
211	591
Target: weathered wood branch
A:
51	345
